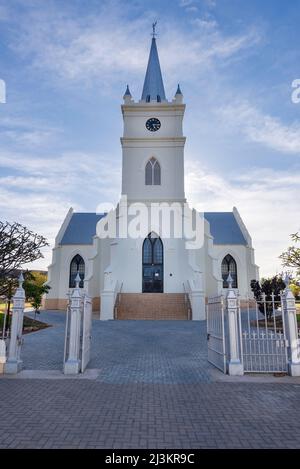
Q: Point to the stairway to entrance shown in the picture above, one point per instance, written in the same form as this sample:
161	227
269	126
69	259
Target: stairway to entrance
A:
152	306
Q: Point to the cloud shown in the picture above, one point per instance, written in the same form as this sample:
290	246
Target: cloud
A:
26	132
263	198
4	14
262	128
190	5
186	3
80	50
63	173
39	191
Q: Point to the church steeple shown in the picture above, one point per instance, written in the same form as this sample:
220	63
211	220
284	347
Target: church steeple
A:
153	89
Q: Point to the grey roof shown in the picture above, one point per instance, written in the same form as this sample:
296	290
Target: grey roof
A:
153	84
81	228
224	228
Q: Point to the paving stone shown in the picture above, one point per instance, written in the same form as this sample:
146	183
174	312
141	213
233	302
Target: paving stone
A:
155	389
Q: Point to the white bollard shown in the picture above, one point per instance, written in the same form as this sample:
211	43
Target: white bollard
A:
72	365
290	319
235	366
14	362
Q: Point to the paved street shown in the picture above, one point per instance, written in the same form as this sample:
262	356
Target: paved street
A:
149	386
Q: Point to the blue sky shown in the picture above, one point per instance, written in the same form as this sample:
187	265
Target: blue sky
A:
66	65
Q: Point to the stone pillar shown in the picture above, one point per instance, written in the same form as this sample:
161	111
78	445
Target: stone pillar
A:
198	305
235	366
72	365
14	363
290	320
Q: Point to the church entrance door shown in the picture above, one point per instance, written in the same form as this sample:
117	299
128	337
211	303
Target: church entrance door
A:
153	254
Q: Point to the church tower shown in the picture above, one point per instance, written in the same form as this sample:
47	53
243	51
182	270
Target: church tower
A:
153	141
130	264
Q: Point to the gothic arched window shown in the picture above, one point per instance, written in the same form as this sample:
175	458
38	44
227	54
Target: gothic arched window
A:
229	266
77	265
152	173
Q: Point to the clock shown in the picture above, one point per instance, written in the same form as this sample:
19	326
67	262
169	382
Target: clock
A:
153	124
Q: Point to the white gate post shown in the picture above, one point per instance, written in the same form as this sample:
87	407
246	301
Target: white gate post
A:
290	319
14	363
72	365
86	332
235	366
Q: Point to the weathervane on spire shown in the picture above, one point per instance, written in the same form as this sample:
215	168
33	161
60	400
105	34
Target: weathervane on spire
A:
153	29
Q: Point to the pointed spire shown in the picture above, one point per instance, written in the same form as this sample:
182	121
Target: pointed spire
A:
178	98
127	92
127	96
153	89
178	90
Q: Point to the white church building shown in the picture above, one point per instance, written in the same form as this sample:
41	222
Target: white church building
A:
138	270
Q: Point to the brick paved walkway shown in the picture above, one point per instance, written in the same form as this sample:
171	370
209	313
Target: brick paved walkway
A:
128	351
153	389
89	414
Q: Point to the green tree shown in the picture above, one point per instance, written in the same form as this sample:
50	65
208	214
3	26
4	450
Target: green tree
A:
35	288
291	257
295	288
18	246
268	286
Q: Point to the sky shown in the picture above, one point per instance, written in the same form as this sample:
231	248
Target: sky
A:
66	64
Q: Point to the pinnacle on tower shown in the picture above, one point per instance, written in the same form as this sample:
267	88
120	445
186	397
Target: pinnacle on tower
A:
178	90
127	95
127	92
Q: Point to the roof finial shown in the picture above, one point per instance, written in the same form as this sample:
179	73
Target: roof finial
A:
153	29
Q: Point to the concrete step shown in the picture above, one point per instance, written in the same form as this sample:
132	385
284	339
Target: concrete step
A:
152	306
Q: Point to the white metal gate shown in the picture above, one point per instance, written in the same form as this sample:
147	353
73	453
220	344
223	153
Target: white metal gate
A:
263	336
216	332
86	332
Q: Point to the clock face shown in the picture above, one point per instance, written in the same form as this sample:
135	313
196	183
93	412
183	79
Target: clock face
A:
153	124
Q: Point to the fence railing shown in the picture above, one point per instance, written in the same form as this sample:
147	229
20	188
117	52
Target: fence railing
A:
263	335
254	336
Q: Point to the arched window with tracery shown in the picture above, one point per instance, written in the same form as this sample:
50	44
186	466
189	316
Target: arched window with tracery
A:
229	267
152	173
77	265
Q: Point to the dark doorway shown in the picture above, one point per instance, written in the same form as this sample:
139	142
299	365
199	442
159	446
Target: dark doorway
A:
153	268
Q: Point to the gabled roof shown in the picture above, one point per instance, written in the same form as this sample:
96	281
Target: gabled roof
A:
224	228
81	228
153	84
